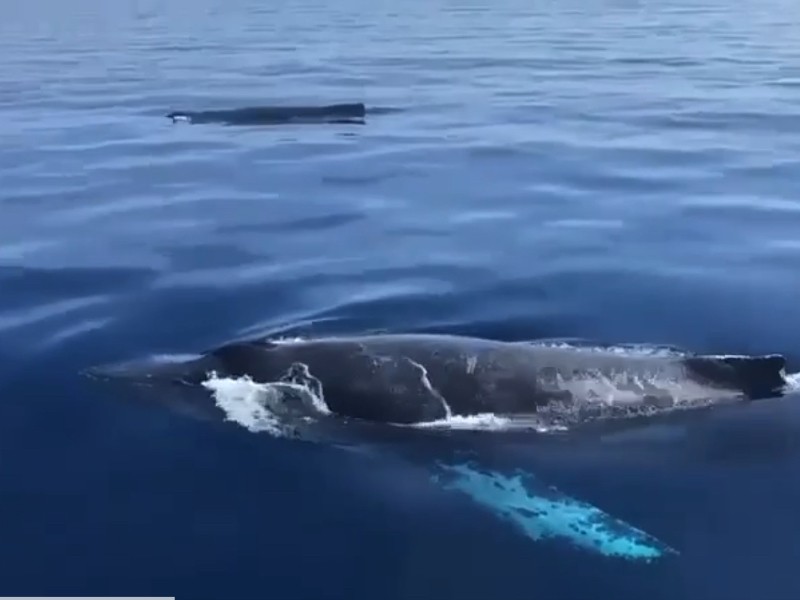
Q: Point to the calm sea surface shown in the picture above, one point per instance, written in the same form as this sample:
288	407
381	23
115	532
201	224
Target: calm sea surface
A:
610	169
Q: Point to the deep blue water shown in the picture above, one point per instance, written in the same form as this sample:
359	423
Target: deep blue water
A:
610	169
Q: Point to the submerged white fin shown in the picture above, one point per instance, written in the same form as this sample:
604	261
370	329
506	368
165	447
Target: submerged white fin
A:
542	512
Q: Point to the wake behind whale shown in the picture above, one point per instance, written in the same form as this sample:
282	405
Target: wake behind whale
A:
403	391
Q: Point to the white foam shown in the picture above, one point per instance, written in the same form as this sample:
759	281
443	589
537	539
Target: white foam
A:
243	402
490	422
626	350
427	384
287	340
263	407
173	358
793	382
482	422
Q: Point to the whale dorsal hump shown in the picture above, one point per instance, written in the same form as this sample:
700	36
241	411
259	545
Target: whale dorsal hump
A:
756	376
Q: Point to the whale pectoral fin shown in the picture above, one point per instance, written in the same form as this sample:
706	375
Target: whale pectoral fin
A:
543	512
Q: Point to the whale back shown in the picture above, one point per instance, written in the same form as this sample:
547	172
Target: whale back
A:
355	379
353	112
415	378
756	376
409	378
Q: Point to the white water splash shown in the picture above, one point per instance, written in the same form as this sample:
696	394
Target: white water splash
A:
426	382
287	340
264	407
793	382
481	422
490	422
624	349
244	402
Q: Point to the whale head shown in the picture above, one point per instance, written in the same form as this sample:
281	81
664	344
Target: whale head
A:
244	382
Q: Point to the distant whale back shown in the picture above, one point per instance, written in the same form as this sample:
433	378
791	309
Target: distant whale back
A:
276	115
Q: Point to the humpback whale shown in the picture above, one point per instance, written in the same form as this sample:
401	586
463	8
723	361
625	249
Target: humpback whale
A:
354	113
417	378
390	386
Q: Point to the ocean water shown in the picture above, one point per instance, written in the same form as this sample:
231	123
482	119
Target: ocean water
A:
620	170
